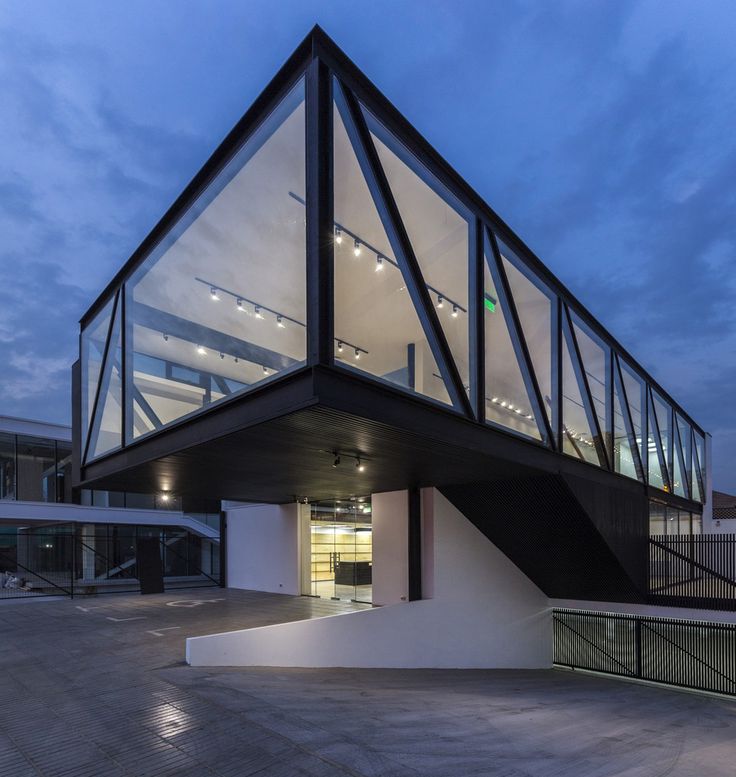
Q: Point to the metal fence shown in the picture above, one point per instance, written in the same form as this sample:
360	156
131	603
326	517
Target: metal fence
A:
689	654
93	559
693	570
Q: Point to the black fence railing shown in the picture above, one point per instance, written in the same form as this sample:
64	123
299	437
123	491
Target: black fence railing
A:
77	560
688	654
693	571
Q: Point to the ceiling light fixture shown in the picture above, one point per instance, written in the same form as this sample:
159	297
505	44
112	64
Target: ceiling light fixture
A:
213	293
356	248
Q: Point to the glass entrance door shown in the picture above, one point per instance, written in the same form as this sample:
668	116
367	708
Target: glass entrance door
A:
341	537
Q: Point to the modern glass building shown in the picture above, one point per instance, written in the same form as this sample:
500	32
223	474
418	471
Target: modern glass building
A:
330	311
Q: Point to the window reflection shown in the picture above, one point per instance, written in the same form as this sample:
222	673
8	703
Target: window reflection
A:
438	227
534	305
507	400
220	306
377	329
93	342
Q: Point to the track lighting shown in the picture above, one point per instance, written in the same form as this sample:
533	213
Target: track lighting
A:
257	311
440	302
165	336
336	461
379	262
265	370
280	322
454	311
357	353
356	248
222	355
359	465
338	235
239	303
213	293
201	350
339	346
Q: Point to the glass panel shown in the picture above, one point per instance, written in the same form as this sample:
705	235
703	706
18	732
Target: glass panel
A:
220	305
36	469
623	455
507	400
664	416
697	520
634	387
107	428
377	329
536	314
439	228
678	481
595	356
63	472
684	518
683	427
673	526
577	436
93	348
700	451
694	479
7	466
656	477
657	519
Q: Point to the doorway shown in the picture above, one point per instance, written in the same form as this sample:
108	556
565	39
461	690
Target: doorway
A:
342	549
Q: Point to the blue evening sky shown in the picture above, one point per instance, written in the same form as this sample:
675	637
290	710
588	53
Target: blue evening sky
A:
604	133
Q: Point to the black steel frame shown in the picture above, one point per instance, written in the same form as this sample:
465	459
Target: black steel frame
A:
322	65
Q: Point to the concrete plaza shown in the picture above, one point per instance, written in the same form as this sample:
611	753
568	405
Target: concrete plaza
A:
98	686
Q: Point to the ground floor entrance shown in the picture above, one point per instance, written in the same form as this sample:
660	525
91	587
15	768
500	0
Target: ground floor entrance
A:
341	549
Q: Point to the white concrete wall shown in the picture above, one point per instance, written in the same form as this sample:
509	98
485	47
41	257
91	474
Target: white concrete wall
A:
484	613
390	537
263	548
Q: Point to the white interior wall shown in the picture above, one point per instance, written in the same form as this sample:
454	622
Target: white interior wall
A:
390	537
484	613
263	548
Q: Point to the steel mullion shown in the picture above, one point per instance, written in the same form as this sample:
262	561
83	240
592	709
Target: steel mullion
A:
517	337
103	367
319	213
557	387
378	184
580	374
477	332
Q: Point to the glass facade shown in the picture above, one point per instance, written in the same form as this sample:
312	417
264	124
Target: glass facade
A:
98	558
35	469
427	291
667	520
